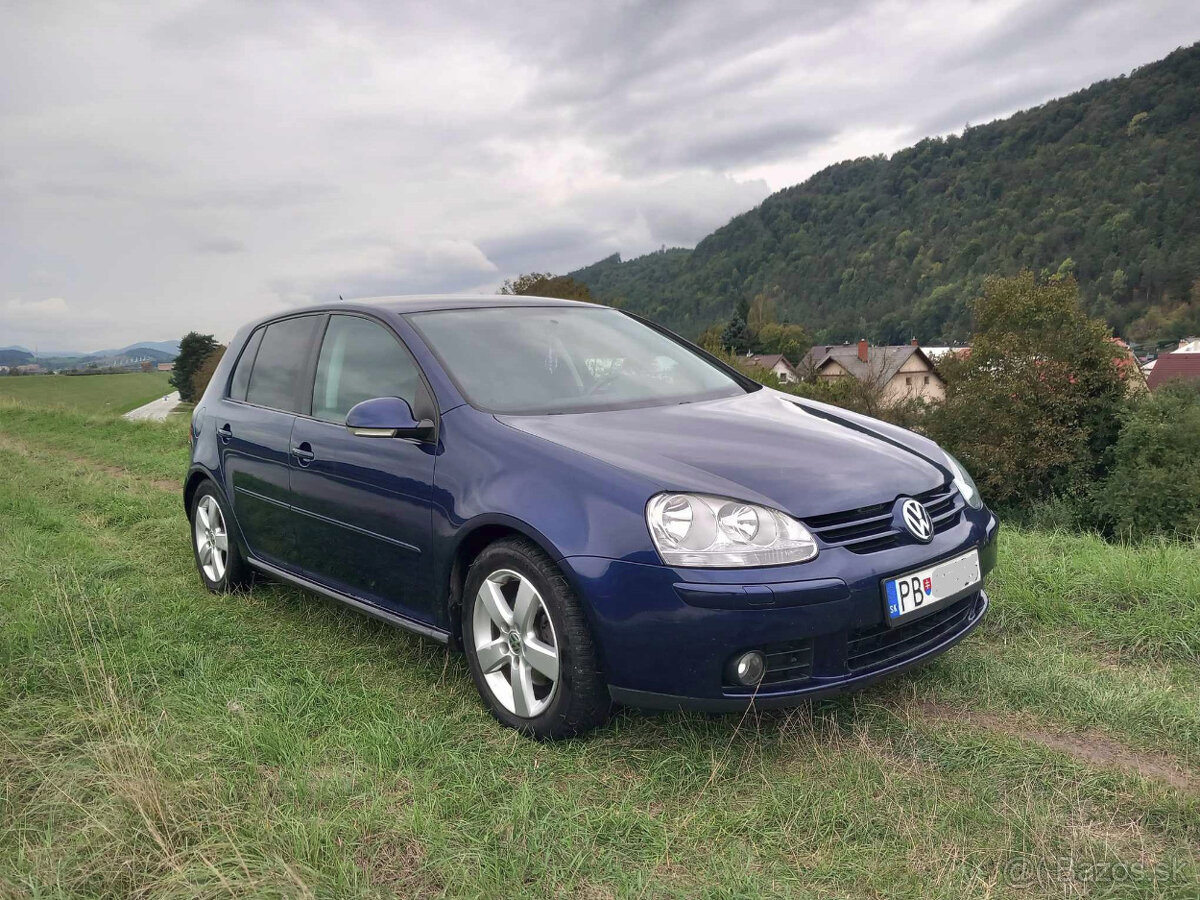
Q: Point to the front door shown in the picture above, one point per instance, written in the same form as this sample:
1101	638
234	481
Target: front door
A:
362	506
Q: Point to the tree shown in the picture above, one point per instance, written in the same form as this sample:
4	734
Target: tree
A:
193	350
543	284
204	372
737	336
793	341
1034	410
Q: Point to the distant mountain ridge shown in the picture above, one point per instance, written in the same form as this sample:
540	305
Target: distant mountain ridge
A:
15	356
162	351
168	348
1104	183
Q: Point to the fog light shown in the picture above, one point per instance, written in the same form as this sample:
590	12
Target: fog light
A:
749	668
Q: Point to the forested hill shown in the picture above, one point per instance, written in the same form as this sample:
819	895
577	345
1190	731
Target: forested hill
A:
1105	182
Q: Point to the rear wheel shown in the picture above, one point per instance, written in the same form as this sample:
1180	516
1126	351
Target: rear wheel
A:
528	645
218	559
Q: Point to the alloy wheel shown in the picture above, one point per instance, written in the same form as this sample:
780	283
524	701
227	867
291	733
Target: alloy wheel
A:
212	540
515	643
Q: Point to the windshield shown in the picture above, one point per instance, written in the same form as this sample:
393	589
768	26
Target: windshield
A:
535	360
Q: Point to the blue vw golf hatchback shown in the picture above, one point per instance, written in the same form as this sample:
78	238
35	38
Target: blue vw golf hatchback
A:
591	508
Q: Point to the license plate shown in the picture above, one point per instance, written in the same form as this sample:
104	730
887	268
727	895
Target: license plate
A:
910	594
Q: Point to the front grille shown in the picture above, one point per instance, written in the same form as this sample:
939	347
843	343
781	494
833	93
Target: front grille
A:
870	528
788	664
879	646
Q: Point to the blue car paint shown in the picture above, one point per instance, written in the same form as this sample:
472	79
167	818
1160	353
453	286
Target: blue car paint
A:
379	522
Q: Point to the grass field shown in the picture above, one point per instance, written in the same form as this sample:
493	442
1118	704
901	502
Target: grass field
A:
94	394
159	741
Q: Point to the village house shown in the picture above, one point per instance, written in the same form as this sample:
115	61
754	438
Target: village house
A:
776	364
903	372
1184	363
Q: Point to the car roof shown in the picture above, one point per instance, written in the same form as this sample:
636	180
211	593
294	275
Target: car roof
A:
427	302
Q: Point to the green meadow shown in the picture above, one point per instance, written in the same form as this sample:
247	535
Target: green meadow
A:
158	741
94	394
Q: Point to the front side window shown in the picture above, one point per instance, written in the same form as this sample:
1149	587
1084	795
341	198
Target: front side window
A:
360	360
279	364
539	360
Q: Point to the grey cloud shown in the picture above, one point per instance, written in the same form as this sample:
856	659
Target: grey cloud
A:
729	144
439	265
610	51
541	248
191	163
221	246
1032	24
260	196
977	110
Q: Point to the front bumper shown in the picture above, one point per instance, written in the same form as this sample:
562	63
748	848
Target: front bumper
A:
666	635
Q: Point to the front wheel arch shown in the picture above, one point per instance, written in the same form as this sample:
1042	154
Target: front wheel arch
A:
475	537
582	701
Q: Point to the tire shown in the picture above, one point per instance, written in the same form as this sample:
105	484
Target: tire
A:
513	580
222	571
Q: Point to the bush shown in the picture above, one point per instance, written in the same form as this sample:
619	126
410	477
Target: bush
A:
1034	410
1153	487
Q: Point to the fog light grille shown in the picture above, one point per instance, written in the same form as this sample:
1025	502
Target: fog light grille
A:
788	664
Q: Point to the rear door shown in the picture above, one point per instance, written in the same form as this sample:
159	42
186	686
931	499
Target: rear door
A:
363	505
254	429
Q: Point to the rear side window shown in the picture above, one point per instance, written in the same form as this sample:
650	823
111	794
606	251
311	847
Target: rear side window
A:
360	360
241	373
279	364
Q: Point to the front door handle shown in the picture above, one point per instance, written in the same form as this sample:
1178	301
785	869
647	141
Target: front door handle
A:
304	453
225	433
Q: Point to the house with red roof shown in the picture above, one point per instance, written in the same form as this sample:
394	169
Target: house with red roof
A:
1181	364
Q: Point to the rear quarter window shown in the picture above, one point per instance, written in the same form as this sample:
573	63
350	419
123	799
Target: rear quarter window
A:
241	372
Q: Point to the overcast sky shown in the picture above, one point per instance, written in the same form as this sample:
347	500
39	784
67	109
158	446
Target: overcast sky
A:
202	163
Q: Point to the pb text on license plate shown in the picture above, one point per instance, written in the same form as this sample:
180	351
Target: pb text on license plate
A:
909	594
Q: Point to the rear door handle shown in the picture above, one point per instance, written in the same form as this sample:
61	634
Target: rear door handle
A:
225	433
304	453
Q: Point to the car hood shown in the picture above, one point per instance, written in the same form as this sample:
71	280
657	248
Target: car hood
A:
764	447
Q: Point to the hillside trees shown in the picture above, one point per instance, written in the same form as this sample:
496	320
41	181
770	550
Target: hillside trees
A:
885	248
543	284
752	329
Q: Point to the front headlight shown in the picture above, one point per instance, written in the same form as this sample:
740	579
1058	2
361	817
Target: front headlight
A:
716	532
964	482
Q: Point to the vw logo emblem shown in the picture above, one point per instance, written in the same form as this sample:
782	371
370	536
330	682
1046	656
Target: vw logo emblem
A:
917	521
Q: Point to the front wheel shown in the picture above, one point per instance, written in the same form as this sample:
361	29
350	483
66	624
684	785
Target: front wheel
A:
528	644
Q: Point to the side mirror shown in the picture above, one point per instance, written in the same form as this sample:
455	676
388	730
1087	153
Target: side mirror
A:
387	417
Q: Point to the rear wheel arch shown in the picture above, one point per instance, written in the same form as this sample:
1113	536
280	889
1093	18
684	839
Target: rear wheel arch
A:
232	572
195	478
201	476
